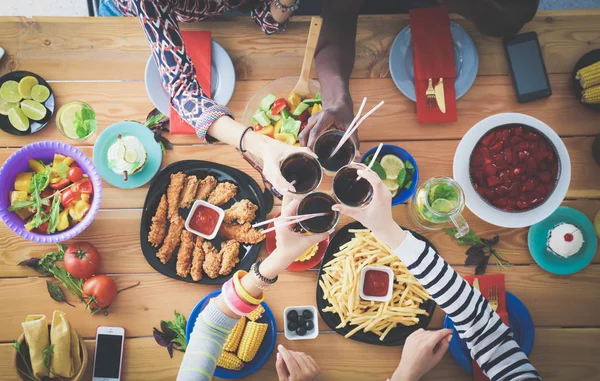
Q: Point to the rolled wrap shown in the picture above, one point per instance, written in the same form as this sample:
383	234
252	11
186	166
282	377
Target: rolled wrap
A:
60	336
35	328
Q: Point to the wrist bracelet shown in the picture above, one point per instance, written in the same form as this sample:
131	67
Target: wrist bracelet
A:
285	8
242	150
255	268
242	292
234	302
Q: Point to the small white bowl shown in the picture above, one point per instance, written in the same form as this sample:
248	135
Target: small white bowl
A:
211	206
293	335
387	296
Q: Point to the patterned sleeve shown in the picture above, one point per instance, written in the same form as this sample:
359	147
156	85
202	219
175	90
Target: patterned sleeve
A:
262	16
176	68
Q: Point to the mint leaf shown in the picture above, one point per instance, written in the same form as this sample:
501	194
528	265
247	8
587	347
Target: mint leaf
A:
377	168
90	125
87	113
401	177
134	165
408	165
112	163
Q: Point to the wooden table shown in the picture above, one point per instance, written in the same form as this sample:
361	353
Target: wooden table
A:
101	61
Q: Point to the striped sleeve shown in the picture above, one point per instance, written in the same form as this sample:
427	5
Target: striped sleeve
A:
206	344
489	340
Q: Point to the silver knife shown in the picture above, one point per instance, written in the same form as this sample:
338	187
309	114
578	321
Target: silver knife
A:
439	95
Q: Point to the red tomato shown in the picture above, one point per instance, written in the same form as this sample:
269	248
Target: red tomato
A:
60	184
82	260
46	193
68	196
100	291
75	174
278	106
84	187
304	116
43	228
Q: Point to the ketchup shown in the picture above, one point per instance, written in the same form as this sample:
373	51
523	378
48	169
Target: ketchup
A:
204	220
376	283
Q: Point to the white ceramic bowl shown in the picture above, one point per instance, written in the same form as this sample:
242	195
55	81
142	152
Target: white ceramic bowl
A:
478	205
293	335
387	296
211	206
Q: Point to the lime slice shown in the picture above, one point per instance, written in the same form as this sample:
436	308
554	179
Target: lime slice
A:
18	119
40	93
392	165
394	193
131	156
9	91
25	86
67	119
33	110
392	185
120	151
597	223
6	106
442	205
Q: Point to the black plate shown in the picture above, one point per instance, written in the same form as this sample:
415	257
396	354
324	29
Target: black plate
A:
587	60
396	336
247	189
34	125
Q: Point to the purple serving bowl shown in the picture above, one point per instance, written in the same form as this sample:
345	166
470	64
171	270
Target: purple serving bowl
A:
45	151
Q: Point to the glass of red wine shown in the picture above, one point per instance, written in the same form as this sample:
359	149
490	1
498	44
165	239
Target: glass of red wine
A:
325	145
318	202
349	189
303	171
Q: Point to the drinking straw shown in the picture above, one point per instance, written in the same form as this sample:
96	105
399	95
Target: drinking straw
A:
300	218
372	159
344	138
350	131
287	218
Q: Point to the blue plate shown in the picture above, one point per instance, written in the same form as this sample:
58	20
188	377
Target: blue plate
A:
264	352
520	322
404	155
538	236
466	61
146	137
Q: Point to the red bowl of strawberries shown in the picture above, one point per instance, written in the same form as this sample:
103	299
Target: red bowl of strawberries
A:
514	169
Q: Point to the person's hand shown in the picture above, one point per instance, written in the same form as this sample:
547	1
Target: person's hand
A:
377	215
422	351
339	115
290	244
272	154
295	366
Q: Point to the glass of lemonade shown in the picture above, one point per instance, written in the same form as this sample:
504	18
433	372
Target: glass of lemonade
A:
437	202
77	121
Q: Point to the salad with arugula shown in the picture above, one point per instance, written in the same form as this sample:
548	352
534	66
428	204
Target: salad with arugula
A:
51	197
284	118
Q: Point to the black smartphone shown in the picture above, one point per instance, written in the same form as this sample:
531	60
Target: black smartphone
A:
527	67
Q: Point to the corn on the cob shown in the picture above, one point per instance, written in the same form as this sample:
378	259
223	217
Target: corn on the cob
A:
589	76
229	361
253	337
233	340
257	313
591	95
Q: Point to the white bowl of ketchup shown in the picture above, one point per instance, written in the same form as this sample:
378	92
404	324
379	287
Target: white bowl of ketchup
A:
376	283
204	219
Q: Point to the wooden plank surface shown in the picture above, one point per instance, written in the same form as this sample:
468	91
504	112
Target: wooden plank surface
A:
116	49
118	232
558	354
114	102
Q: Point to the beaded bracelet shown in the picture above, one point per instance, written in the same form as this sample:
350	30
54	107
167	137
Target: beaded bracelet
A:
234	302
241	291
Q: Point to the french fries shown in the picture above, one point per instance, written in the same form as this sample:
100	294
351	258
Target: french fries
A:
341	281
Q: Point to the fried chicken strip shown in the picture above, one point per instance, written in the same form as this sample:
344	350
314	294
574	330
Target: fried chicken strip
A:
174	193
242	233
172	240
212	260
198	255
158	229
206	186
189	192
229	253
184	256
222	193
242	212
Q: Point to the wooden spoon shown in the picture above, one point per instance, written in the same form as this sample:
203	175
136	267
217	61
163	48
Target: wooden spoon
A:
301	87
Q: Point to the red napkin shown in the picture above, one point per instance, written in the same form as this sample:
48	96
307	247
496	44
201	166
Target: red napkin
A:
198	47
485	283
433	58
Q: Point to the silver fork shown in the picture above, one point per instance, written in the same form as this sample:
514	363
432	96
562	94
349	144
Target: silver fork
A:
493	297
430	94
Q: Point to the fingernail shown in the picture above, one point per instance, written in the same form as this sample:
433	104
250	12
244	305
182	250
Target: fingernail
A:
449	338
278	356
280	347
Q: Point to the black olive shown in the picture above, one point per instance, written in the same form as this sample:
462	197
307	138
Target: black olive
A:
301	331
307	314
309	325
292	326
301	321
292	315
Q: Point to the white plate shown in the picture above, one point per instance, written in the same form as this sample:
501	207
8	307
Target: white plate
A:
222	80
474	201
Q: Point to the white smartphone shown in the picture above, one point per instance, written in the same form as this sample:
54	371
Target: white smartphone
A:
108	358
